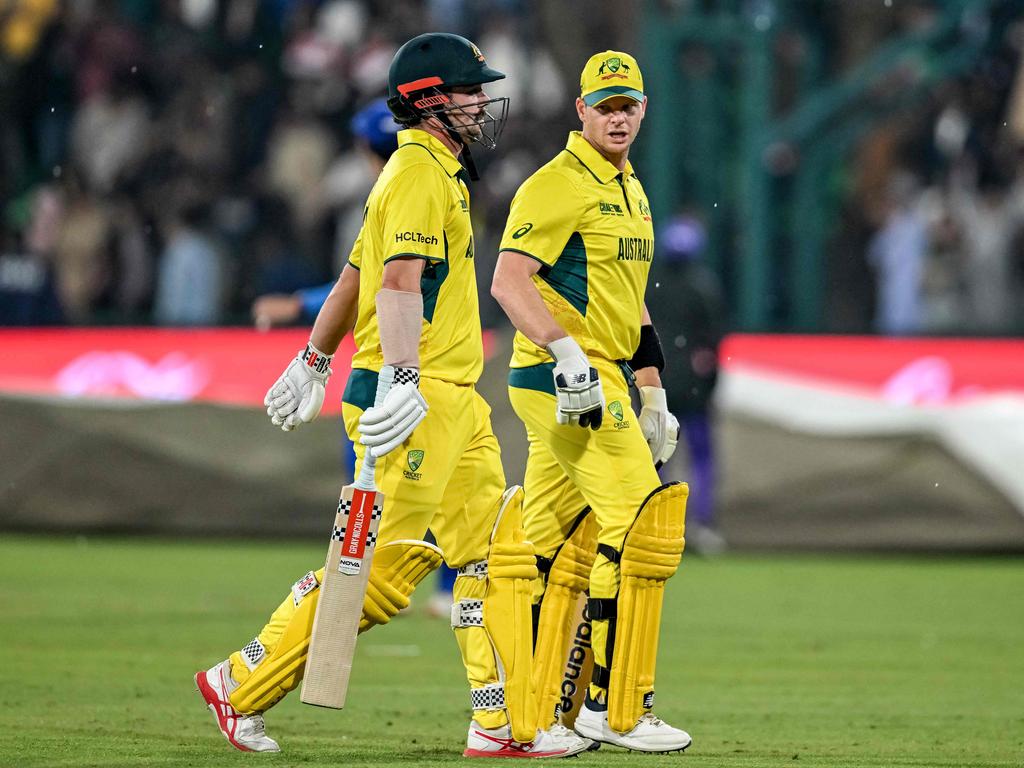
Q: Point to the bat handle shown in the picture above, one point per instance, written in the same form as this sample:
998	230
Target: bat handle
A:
365	481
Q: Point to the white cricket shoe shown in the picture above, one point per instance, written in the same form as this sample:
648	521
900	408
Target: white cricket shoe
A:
244	732
650	734
556	741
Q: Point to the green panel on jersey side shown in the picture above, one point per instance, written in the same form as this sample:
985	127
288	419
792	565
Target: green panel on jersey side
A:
361	388
536	377
568	275
434	273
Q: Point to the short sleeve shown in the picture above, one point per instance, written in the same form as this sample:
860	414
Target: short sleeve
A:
355	256
413	214
545	212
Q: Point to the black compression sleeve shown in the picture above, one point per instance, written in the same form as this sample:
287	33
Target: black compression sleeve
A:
648	351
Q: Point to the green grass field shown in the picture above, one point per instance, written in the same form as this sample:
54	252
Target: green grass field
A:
766	661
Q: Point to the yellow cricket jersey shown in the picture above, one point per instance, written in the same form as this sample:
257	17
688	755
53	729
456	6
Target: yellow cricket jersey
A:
420	207
590	228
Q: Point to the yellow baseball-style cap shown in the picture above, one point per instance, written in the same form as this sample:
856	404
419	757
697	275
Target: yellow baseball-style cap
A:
609	74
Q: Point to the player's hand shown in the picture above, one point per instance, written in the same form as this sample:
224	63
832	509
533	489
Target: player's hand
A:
297	396
273	309
660	428
577	385
384	427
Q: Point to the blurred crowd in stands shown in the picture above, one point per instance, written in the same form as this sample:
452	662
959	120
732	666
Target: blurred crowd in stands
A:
168	161
947	219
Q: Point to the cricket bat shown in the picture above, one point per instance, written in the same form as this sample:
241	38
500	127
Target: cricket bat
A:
332	645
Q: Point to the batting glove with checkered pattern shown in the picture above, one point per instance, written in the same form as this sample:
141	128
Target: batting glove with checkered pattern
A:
298	395
384	427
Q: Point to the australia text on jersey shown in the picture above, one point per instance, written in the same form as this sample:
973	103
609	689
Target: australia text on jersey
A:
635	249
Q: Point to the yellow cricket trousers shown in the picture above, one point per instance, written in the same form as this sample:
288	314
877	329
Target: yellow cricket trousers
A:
569	467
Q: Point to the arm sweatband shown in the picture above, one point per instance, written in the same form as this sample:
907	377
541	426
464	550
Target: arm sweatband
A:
648	352
400	319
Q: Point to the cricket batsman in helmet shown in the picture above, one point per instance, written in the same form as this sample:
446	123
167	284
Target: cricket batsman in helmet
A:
408	292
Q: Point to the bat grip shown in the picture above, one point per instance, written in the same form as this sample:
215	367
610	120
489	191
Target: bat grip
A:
365	481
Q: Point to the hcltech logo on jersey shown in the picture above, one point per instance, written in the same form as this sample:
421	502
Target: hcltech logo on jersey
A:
415	237
635	249
414	460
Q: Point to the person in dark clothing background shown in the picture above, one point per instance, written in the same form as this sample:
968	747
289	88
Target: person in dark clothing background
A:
687	303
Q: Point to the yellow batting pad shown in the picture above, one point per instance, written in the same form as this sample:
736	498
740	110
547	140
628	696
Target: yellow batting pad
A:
286	640
650	556
398	567
567	580
507	615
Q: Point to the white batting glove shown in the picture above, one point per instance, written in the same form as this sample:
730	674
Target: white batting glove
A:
660	428
577	385
384	427
297	397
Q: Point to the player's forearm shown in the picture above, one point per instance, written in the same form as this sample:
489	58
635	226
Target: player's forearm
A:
513	289
338	314
400	312
648	360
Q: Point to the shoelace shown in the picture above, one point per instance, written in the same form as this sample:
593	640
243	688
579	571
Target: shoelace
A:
256	721
649	717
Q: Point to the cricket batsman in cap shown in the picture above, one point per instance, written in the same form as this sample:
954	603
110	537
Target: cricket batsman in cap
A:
409	292
571	276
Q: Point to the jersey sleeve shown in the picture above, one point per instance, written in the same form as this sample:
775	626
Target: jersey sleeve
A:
355	256
545	212
414	207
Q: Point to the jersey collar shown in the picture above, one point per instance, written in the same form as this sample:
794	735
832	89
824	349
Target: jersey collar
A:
441	153
593	160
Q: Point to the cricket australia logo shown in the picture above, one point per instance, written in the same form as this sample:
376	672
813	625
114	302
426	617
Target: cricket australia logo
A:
617	412
414	460
612	66
645	210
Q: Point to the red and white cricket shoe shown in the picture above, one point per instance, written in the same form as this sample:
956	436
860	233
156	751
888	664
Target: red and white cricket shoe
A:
244	732
556	741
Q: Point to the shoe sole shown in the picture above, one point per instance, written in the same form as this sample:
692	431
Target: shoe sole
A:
505	754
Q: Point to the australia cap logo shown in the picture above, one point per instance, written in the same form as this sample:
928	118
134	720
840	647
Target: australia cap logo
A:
613	65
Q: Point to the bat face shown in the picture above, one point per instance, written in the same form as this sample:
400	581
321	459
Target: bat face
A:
359	517
349	557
